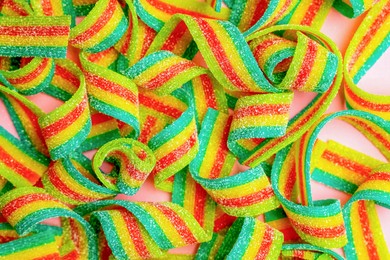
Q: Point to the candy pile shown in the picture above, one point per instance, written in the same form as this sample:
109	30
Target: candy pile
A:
181	92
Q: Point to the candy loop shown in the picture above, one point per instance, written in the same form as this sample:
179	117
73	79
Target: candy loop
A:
24	208
66	127
248	193
369	42
135	161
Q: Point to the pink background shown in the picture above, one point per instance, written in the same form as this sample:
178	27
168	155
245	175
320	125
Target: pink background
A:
341	30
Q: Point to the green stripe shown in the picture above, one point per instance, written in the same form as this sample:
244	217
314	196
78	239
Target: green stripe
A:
34	51
179	186
333	181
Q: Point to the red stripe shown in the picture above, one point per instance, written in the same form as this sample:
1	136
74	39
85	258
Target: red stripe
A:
223	222
111	87
300	170
347	163
53	256
67	75
63	188
290	234
32	75
260	8
176	154
379	176
147	127
175	36
20	169
33	31
129	167
290	183
47	8
306	67
312	12
66	121
200	203
329	232
71	255
364	102
159	106
171	9
168	74
266	243
263	109
370	34
247	200
149	36
220	55
99	118
178	223
14	7
98	25
135	234
22	201
367	231
95	57
208	89
222	152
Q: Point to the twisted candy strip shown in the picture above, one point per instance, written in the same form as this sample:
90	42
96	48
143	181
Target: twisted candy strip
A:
176	145
135	161
368	43
21	160
34	36
111	93
302	121
15	8
247	238
354	8
98	32
73	182
278	219
24	208
321	223
246	194
363	225
190	195
30	79
66	127
149	228
341	167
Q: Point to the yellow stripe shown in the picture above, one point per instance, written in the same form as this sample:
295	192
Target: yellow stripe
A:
102	128
34	41
254	244
261	120
189	196
381	185
328	222
33	253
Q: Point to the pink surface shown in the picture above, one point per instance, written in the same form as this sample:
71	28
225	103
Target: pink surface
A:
341	30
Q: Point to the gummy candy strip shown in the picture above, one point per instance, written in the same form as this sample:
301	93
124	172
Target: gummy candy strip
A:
15	8
353	8
7	233
66	127
307	251
321	223
134	159
162	72
24	208
302	121
34	36
206	92
306	144
102	27
190	195
42	245
83	7
250	16
259	116
137	38
278	219
104	129
223	48
52	8
215	4
248	193
20	166
222	220
363	225
176	145
342	168
111	93
73	182
247	238
309	13
30	79
157	12
168	224
367	45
